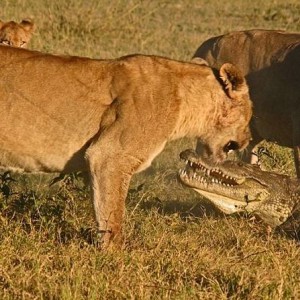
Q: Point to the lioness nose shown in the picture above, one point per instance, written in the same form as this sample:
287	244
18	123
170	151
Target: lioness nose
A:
231	145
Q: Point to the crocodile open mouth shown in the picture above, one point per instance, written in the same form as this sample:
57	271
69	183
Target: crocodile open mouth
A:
228	184
202	174
195	170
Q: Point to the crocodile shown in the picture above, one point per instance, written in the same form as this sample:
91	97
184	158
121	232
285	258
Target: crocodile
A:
235	186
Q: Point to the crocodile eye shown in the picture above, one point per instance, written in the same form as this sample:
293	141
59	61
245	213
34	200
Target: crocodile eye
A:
231	145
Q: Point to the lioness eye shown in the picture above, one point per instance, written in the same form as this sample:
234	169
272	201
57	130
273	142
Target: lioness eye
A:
22	44
231	145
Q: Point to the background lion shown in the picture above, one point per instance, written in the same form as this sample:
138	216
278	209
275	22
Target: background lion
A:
16	34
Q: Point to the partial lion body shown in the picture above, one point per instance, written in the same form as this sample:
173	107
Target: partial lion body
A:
49	105
270	60
16	34
111	117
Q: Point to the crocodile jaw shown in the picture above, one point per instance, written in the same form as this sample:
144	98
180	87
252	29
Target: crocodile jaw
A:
225	204
228	191
234	186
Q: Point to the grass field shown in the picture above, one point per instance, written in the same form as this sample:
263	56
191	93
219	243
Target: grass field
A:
176	245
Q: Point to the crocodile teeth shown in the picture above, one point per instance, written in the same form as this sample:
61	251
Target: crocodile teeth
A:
182	172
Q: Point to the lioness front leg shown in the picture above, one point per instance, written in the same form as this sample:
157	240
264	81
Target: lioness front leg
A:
110	178
112	165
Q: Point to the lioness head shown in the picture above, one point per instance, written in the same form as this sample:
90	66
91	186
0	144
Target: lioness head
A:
16	34
230	120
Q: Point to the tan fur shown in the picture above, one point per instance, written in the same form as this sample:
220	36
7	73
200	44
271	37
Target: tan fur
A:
270	60
16	34
112	117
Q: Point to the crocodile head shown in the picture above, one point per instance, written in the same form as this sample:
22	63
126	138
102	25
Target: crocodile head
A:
234	186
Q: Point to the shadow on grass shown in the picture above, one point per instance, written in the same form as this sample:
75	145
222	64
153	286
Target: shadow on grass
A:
196	207
56	213
291	228
202	208
186	210
58	216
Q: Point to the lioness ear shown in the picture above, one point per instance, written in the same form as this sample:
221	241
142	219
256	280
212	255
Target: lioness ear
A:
199	61
234	82
27	24
1	24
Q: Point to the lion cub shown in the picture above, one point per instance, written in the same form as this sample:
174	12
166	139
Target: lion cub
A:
16	34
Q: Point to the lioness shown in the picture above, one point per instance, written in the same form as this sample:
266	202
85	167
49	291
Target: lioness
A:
271	62
16	34
112	117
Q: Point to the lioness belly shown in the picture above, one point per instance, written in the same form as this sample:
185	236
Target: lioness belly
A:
34	152
17	161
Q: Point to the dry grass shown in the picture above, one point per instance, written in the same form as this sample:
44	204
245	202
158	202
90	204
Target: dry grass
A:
176	246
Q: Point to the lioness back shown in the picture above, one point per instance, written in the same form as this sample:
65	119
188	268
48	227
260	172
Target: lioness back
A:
16	34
